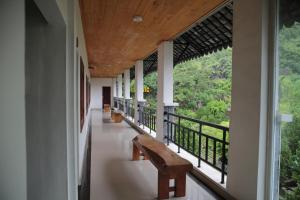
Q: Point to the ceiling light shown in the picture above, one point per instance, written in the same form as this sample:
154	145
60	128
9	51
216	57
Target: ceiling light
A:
137	19
92	66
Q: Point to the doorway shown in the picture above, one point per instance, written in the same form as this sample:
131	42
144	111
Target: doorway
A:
106	96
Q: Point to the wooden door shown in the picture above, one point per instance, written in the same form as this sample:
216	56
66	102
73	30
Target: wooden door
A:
106	96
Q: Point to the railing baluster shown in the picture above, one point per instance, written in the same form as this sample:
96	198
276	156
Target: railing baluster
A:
214	152
178	135
183	137
143	118
194	142
140	116
188	140
199	144
168	127
171	132
149	120
223	156
206	148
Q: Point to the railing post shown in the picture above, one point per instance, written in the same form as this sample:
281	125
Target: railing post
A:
178	151
139	111
171	110
168	128
118	103
140	105
200	144
127	107
223	156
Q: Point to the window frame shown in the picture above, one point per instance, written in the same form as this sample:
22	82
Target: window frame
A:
82	92
273	138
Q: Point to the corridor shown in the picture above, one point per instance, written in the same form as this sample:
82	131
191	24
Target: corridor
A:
114	176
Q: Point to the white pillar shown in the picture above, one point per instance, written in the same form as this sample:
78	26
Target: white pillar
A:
164	85
120	83
139	88
127	84
246	172
114	87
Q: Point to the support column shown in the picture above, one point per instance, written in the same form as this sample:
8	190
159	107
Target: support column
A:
114	89
247	149
139	90
164	87
127	98
119	89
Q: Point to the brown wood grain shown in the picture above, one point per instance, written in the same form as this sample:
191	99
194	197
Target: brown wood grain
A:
114	42
169	164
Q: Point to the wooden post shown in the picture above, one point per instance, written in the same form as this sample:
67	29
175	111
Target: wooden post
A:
135	152
163	186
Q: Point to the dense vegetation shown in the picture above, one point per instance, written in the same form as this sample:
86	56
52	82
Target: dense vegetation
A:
202	87
289	94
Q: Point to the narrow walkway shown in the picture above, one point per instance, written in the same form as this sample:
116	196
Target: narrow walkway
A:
115	177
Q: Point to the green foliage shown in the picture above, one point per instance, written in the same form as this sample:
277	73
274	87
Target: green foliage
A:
202	87
214	111
289	94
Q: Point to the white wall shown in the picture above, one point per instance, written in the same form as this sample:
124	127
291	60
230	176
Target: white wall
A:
96	89
46	120
12	106
81	140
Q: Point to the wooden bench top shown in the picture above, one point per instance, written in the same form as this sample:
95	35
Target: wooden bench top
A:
161	156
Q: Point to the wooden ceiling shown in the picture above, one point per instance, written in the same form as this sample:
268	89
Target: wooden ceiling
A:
114	42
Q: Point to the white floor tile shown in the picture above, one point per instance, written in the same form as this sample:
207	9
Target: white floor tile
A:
115	177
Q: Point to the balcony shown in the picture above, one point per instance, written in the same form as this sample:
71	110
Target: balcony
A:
192	139
115	176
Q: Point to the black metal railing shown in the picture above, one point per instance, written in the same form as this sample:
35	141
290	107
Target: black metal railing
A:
206	141
130	110
115	103
121	104
147	117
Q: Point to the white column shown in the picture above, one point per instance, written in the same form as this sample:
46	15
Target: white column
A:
114	87
164	84
139	87
127	84
120	92
246	173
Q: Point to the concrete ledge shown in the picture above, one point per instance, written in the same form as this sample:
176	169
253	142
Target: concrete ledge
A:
200	176
208	182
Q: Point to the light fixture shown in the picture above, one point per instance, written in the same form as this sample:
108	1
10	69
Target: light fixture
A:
137	18
91	66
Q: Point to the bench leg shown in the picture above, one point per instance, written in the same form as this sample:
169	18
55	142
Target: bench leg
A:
180	183
135	152
163	186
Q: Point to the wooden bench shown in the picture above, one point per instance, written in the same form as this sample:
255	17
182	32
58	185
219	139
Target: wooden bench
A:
168	163
106	107
116	117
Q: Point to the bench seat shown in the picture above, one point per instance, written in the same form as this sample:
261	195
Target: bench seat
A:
169	164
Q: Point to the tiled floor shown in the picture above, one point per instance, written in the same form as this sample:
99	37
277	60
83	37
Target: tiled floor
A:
115	177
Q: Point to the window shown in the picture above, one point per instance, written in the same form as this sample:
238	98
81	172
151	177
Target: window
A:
286	133
87	85
81	93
